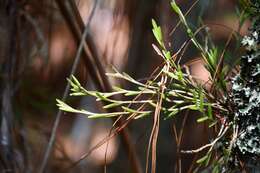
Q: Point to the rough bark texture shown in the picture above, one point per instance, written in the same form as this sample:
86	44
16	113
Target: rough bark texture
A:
246	94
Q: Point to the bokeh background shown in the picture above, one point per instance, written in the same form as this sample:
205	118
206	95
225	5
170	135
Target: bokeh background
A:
37	49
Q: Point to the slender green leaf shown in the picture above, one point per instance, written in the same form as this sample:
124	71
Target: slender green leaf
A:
203	159
202	119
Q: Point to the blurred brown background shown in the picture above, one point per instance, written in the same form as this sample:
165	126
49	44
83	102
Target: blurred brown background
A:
37	50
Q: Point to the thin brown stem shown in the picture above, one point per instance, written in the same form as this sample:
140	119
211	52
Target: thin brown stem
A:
221	62
187	12
97	73
65	95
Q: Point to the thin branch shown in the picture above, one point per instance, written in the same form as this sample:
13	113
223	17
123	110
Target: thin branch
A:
65	95
222	132
179	22
155	129
221	62
96	70
115	132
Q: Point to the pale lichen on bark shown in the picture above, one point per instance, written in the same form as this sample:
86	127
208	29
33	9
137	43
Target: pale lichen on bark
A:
246	92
